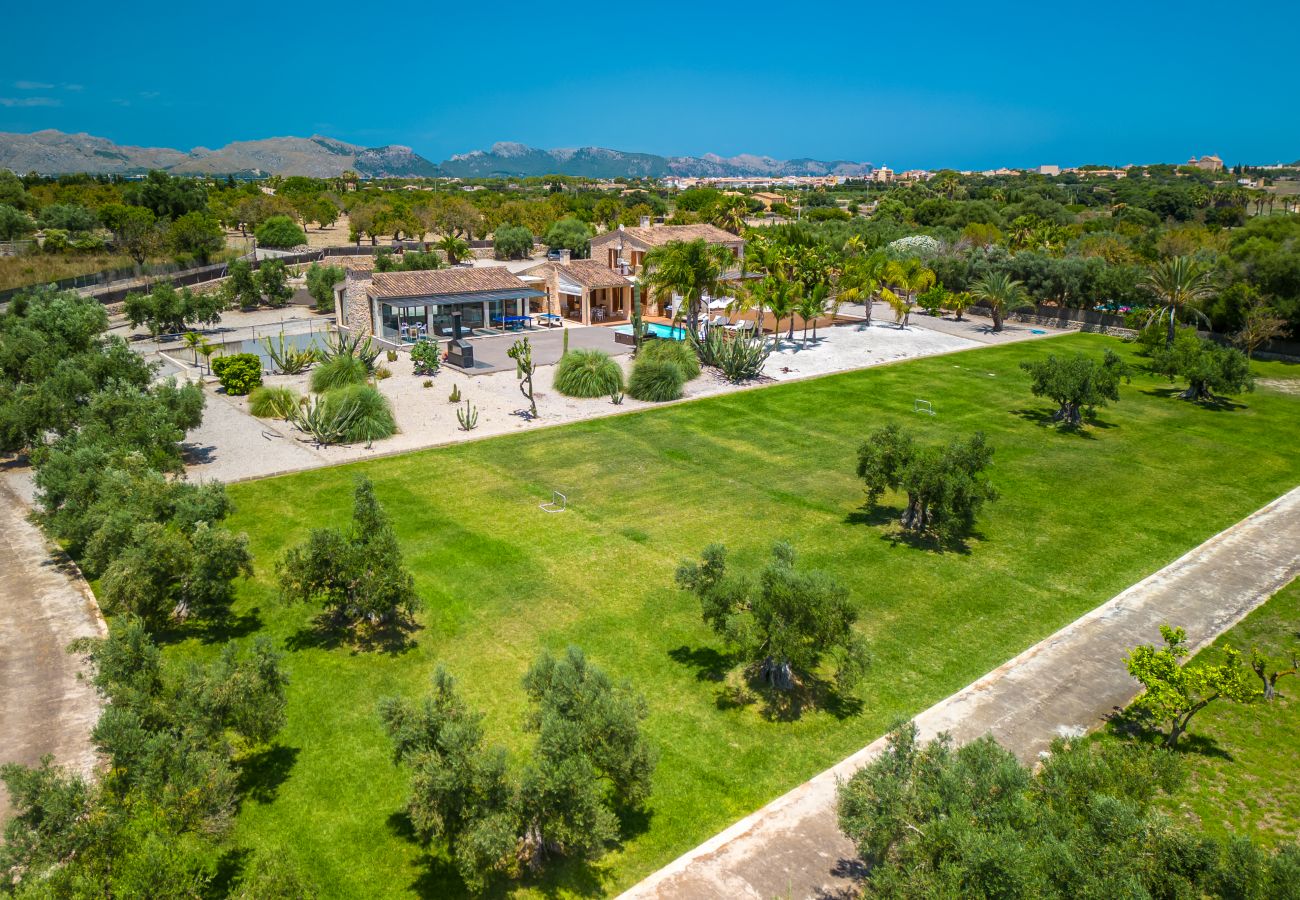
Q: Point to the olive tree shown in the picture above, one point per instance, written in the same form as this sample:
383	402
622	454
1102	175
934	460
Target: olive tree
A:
320	284
590	760
784	622
945	485
1077	384
1207	367
273	282
357	572
166	310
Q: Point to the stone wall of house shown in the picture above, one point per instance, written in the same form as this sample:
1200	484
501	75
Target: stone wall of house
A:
356	312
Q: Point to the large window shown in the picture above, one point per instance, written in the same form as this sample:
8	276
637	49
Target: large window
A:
402	323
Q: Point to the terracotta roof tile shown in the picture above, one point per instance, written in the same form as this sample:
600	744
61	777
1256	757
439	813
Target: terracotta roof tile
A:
444	281
589	273
659	235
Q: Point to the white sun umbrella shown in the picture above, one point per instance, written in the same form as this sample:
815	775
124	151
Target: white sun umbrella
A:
719	302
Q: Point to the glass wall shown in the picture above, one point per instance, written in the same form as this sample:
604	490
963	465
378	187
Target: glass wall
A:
403	323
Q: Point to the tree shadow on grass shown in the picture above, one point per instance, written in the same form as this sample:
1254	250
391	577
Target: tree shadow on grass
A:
1137	726
1214	404
262	773
872	516
230	866
809	693
709	664
880	516
930	541
438	877
1044	419
326	633
211	630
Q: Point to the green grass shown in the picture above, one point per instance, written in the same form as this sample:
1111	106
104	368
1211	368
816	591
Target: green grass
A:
1241	758
1080	518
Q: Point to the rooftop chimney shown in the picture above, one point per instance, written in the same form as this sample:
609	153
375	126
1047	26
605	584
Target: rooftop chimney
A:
565	256
645	221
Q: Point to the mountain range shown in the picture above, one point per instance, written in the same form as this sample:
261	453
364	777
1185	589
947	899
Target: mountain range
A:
56	152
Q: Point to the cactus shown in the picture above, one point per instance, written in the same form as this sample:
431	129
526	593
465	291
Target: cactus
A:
522	353
455	394
565	351
468	417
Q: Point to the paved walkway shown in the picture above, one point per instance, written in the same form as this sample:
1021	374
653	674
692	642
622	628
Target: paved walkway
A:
1064	685
44	605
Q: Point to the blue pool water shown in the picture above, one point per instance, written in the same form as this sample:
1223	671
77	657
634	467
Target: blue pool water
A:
659	330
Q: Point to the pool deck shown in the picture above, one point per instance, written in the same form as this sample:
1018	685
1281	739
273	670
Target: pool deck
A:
490	352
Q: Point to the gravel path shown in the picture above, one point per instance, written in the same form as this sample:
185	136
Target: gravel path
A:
44	605
1064	685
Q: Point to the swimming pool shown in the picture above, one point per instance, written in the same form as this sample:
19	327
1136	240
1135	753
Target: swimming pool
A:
658	329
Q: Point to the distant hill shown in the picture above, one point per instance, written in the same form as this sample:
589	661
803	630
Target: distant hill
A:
56	153
508	159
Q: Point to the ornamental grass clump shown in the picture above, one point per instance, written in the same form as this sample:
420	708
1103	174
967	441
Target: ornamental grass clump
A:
273	402
347	415
337	372
588	373
679	352
656	380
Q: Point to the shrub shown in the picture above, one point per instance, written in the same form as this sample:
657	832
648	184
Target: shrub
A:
280	231
273	402
588	373
382	373
272	281
337	372
739	356
239	373
320	284
679	352
424	356
512	242
356	412
655	380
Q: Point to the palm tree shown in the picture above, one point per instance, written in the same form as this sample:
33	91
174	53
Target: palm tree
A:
907	278
689	269
1001	293
1180	283
783	299
812	306
860	280
730	213
455	248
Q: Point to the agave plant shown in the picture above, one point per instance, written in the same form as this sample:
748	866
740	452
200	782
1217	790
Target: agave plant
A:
287	359
355	345
739	356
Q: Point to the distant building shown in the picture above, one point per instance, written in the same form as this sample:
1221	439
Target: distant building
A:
1207	163
1049	170
883	175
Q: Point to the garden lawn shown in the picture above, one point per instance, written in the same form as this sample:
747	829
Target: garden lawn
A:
1079	519
1241	758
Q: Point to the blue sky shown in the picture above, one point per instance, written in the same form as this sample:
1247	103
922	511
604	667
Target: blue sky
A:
959	84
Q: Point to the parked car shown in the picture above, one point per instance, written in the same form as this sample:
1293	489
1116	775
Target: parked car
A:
553	255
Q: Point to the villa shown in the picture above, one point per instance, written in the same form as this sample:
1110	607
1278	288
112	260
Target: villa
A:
582	290
399	307
623	250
